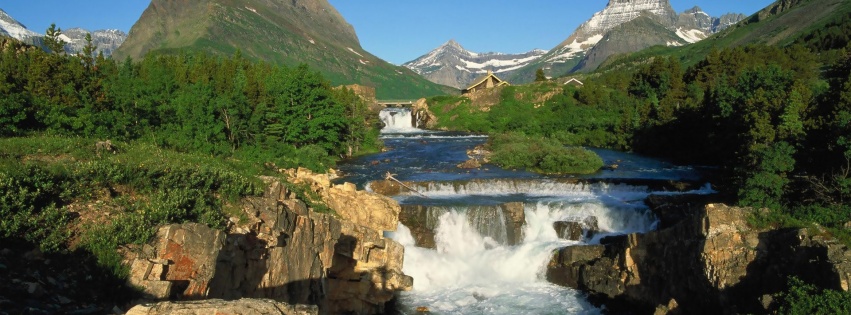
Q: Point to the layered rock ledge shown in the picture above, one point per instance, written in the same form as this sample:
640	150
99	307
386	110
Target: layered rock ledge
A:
703	260
278	249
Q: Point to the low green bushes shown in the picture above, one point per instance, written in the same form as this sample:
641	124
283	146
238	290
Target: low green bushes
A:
538	154
43	178
805	299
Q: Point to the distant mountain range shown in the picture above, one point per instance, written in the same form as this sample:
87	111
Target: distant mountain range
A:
621	27
287	32
106	41
452	65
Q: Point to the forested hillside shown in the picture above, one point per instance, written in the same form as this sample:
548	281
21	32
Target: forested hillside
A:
225	106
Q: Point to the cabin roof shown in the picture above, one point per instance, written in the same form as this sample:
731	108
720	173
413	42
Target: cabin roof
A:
484	78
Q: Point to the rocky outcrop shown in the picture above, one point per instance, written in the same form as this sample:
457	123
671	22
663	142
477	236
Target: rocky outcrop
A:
281	250
576	230
217	306
710	262
503	223
423	117
359	207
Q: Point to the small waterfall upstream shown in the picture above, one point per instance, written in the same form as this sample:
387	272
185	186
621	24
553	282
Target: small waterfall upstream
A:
398	120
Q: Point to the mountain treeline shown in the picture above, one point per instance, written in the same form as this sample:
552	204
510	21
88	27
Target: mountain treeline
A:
224	106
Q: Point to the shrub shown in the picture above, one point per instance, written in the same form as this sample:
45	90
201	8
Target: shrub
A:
806	299
538	154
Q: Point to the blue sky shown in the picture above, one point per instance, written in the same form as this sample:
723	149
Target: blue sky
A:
394	30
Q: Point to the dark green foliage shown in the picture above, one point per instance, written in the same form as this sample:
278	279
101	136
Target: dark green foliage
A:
52	41
836	34
588	116
804	299
191	103
540	76
538	154
30	205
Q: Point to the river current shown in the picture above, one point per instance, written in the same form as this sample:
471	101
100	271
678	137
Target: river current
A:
472	269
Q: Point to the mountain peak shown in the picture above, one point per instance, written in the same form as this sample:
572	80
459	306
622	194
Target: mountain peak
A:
452	44
694	10
15	29
452	65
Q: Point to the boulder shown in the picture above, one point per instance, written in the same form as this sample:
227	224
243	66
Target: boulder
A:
423	116
710	262
470	164
515	217
359	207
568	230
216	306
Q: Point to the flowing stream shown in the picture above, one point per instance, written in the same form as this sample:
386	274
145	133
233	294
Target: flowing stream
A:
472	267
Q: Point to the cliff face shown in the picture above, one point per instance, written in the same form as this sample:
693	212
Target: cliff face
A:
282	250
706	261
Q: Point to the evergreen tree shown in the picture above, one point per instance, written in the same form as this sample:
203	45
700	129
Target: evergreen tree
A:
540	76
52	41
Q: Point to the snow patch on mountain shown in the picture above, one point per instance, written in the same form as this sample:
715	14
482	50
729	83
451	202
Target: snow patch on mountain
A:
14	28
692	35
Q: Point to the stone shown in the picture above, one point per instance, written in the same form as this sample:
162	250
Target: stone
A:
568	230
215	306
470	164
35	289
360	207
515	216
591	226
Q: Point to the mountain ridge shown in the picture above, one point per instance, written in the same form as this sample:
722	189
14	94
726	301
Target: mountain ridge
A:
105	41
588	46
452	65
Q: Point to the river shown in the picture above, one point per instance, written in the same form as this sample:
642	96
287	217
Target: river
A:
473	268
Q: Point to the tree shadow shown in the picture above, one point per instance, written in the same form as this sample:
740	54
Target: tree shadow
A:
57	283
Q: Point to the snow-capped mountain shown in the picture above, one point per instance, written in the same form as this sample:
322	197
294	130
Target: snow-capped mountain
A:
694	25
106	41
12	28
452	65
663	26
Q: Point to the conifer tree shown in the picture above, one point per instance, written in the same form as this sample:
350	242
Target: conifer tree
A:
540	76
52	41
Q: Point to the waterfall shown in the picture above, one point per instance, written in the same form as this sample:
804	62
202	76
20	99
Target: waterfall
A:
471	273
397	120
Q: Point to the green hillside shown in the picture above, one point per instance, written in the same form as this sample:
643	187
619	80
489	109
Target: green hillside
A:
781	24
287	33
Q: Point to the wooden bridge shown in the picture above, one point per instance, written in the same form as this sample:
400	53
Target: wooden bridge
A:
395	103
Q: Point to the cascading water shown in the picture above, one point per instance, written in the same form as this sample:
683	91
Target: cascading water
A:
472	269
469	273
397	120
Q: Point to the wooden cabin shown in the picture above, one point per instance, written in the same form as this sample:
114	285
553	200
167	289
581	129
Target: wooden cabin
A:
487	81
